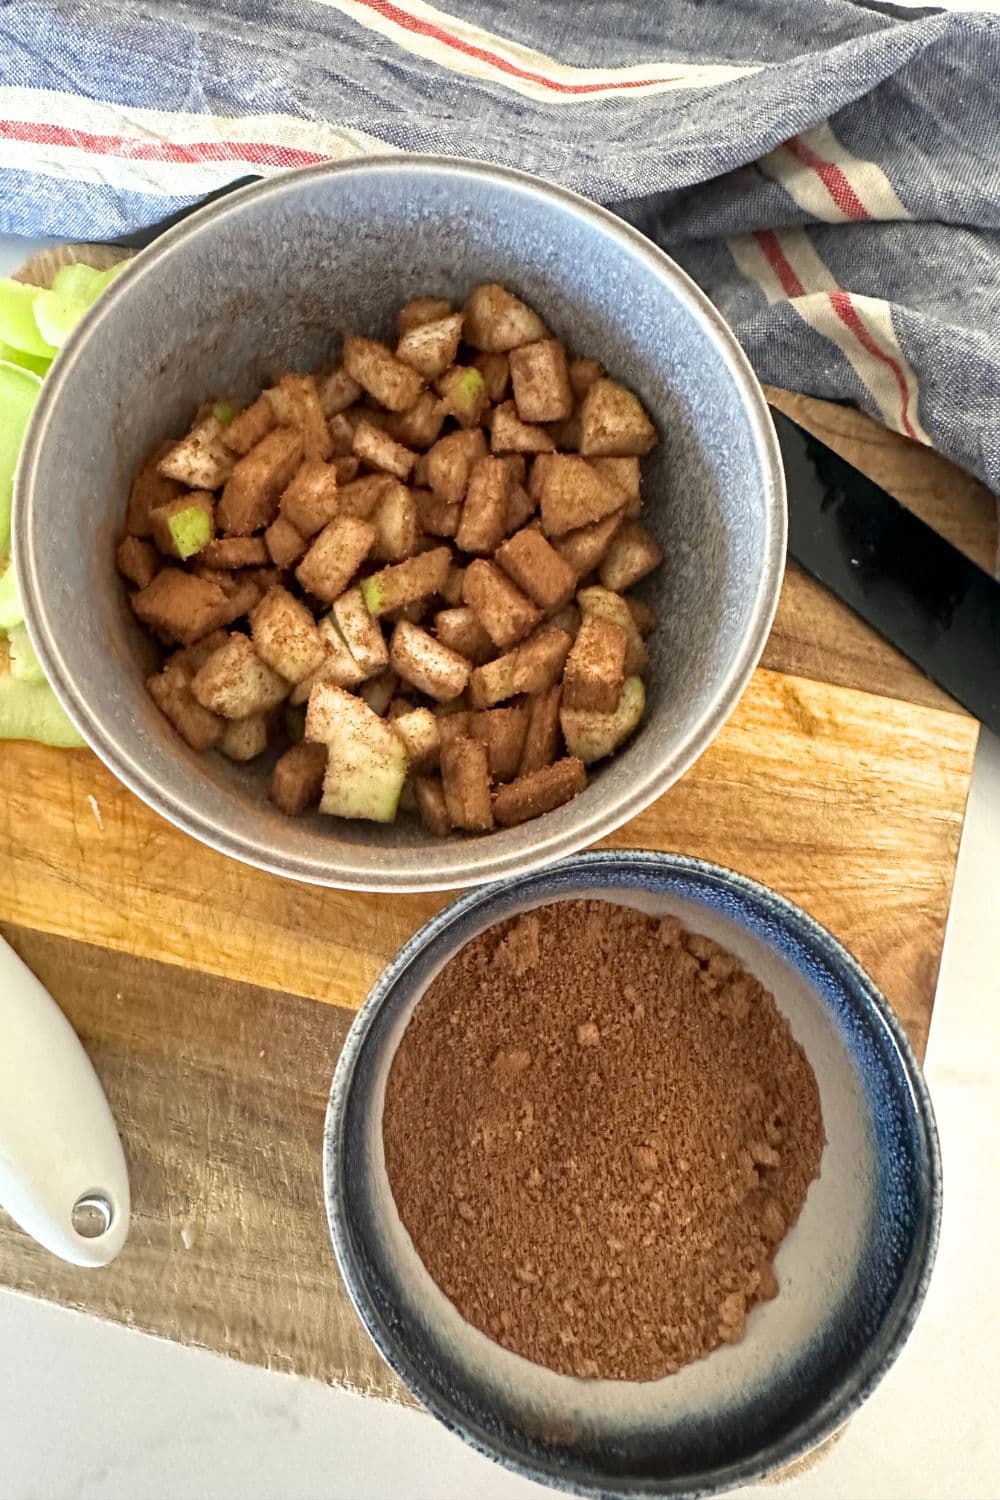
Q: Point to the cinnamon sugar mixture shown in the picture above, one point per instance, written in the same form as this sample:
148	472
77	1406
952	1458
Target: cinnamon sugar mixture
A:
598	1128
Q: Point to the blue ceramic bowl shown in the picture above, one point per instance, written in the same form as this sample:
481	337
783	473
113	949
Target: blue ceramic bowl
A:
853	1270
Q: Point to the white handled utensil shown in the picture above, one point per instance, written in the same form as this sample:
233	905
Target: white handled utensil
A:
62	1169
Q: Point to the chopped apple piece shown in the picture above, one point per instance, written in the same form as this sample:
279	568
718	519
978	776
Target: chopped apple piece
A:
582	374
539	661
575	495
250	498
149	489
502	731
246	430
171	691
233	552
503	611
437	517
421	310
495	370
459	629
361	631
645	617
244	739
310	501
463	391
541	743
539	792
337	391
180	606
585	548
632	554
201	460
297	778
396	524
542	392
367	760
484	514
380	451
595	668
466	780
296	403
421	425
285	545
591	735
510	435
285	636
432	806
338	665
185	525
624	474
601	601
375	368
235	683
406	583
537	569
335	556
426	664
137	561
520	505
360	496
431	347
450	462
496	320
614	422
420	732
493	682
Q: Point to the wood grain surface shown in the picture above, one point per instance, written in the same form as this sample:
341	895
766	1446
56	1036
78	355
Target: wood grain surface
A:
219	1090
841	780
849	803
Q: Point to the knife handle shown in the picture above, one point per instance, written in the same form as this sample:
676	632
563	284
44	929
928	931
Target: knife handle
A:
61	1161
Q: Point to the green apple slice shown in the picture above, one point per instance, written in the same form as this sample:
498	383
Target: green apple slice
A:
31	711
17	318
73	292
24	664
36	363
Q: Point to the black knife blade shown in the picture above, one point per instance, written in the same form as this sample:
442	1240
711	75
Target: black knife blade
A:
917	590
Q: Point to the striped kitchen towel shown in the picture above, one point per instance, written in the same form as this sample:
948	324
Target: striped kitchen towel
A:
828	171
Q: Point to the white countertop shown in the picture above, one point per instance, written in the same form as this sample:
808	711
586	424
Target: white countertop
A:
90	1411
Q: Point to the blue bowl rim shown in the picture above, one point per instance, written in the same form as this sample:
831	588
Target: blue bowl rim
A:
887	1344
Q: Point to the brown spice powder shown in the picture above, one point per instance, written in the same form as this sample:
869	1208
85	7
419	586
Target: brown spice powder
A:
598	1128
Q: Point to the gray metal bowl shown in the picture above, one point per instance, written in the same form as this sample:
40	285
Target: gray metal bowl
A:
265	280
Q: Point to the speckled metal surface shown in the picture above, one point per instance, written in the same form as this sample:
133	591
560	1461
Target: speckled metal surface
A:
265	280
853	1270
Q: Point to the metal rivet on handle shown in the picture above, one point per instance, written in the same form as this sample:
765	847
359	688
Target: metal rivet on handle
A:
92	1216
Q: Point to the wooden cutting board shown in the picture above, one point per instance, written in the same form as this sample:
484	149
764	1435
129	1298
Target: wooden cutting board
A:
214	999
